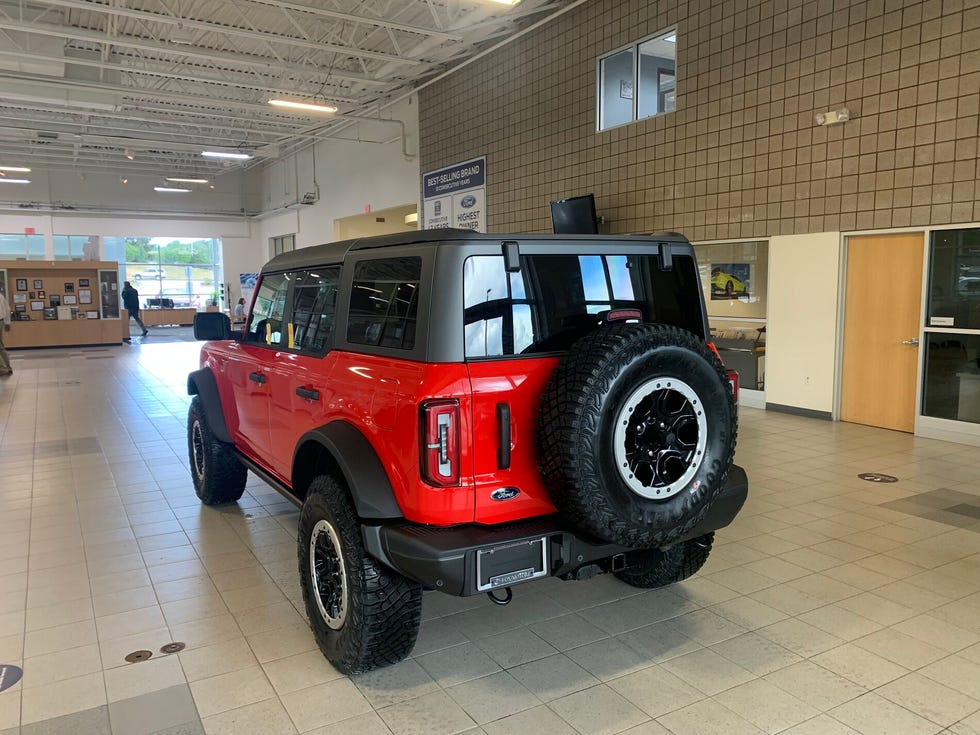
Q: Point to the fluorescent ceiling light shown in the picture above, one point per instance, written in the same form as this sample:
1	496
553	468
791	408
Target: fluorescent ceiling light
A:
129	154
224	154
170	189
303	106
18	169
4	180
176	180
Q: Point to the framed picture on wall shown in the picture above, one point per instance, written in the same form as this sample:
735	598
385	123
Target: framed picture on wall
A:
20	298
40	294
37	306
84	296
20	308
83	283
38	284
69	300
54	300
21	284
69	287
730	280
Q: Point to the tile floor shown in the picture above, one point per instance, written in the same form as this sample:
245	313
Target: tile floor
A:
832	605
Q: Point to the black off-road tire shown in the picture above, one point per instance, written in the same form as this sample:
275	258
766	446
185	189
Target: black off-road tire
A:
654	568
381	608
593	392
218	476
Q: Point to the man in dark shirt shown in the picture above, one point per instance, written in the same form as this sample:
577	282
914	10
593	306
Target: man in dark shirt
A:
131	300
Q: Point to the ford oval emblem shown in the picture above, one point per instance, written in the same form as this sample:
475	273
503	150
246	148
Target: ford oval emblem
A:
505	493
468	201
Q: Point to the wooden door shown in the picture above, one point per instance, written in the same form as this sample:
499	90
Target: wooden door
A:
882	312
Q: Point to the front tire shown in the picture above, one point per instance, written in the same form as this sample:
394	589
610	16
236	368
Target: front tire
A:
654	568
218	476
363	615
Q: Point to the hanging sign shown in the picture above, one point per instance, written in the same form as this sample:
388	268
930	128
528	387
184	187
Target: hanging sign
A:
456	196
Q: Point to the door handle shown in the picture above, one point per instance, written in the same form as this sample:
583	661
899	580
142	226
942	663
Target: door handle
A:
914	341
310	394
257	378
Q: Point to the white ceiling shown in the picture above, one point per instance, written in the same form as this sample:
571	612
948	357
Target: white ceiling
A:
83	82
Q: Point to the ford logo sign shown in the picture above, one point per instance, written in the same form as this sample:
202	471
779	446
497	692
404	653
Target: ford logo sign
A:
505	493
468	201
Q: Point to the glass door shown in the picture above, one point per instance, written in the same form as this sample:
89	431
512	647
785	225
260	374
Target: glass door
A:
109	294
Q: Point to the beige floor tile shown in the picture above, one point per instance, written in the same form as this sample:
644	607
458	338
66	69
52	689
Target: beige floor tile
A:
114	652
60	613
193	608
815	685
929	699
839	622
59	638
261	718
538	720
125	601
871	714
567	631
766	706
325	704
492	697
129	623
707	671
904	650
608	659
12	648
300	671
283	642
707	717
366	724
958	673
431	714
821	725
241	599
598	710
61	665
218	658
656	691
384	686
10	710
160	672
267	618
62	698
230	691
458	664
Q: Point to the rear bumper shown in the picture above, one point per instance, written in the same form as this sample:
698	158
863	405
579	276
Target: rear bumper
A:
470	559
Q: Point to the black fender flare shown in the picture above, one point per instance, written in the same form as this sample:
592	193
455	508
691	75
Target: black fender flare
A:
201	383
362	470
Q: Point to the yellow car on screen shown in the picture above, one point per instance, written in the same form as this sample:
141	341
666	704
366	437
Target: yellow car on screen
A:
726	283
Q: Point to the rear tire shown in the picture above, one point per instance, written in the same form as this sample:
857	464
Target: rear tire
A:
363	615
218	476
660	567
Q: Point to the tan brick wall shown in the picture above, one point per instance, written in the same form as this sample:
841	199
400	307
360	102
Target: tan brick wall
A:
741	156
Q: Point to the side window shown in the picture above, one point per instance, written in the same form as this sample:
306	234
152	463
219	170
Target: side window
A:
384	303
265	325
314	310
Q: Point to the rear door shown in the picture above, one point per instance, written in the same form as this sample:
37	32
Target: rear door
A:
249	365
300	373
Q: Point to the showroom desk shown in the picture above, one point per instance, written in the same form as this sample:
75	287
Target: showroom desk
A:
64	333
161	317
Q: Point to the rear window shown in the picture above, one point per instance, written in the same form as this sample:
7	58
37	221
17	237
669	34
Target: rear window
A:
555	299
384	303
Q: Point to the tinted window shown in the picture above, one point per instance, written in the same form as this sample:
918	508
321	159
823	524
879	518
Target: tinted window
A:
314	310
555	299
384	303
265	322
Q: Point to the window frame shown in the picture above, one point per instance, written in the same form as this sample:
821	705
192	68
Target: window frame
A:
634	48
278	244
415	302
292	292
286	314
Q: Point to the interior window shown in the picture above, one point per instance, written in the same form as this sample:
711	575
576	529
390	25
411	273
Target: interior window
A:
314	310
384	302
265	323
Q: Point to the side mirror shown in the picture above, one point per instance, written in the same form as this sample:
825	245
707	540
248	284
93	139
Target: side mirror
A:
209	325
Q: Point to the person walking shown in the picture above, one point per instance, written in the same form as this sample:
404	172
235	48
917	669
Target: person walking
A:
240	311
5	368
131	300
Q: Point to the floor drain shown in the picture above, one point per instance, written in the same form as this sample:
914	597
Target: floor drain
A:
173	648
877	477
136	656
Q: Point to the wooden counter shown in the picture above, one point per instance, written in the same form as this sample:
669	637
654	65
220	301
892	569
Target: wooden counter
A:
65	333
160	317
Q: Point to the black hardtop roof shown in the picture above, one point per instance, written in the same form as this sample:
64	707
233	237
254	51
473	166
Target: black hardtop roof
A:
334	252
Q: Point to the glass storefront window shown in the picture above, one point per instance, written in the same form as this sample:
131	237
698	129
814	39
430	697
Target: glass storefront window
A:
21	247
76	247
954	279
952	376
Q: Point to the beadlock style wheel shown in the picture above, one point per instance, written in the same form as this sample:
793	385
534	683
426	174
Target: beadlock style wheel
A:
197	448
328	574
661	432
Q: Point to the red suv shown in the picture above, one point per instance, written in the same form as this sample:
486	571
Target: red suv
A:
468	412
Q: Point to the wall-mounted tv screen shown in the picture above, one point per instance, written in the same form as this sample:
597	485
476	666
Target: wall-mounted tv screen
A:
574	216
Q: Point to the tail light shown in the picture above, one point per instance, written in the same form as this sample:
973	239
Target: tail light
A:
439	442
733	380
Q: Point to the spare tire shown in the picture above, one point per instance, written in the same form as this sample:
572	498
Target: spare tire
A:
636	433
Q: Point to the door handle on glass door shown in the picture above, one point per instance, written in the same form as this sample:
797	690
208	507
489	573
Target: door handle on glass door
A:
914	341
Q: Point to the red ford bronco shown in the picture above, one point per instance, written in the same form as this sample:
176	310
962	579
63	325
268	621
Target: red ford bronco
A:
469	412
